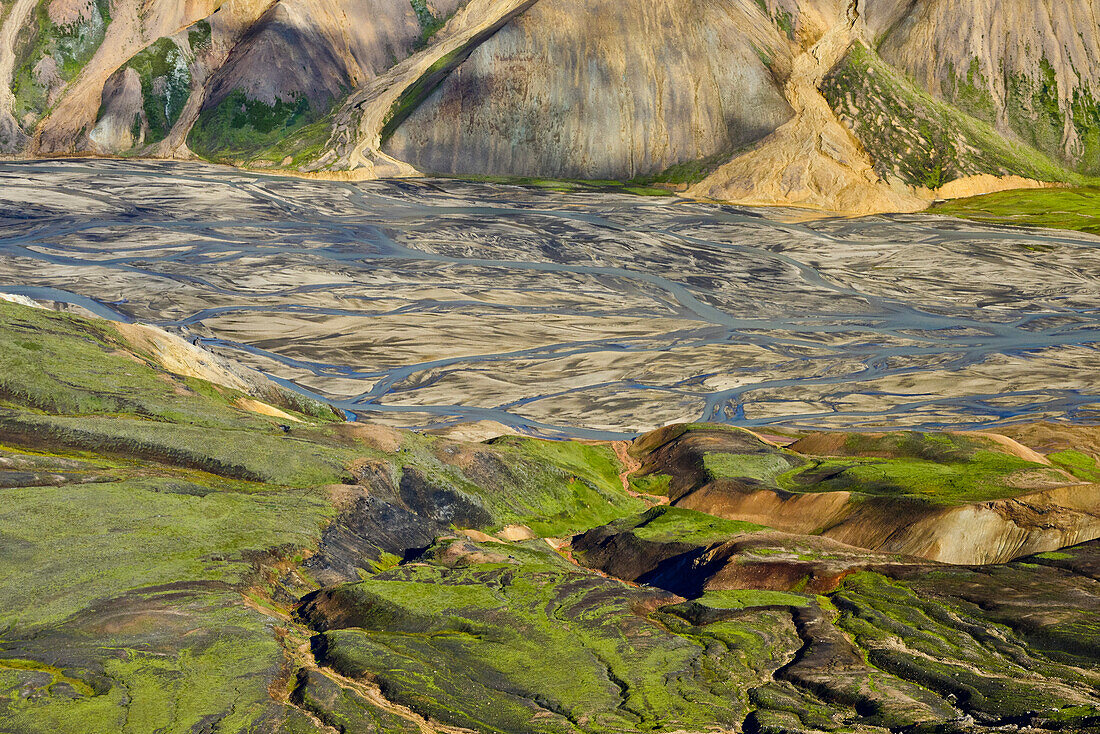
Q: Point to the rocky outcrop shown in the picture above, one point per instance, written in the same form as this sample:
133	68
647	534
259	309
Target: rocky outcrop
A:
302	55
122	114
132	27
1032	506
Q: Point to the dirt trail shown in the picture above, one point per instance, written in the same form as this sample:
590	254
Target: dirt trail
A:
813	160
631	465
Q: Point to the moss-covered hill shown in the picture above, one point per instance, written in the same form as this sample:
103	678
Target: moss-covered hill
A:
182	556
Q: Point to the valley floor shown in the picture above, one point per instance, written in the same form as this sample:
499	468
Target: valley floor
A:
428	303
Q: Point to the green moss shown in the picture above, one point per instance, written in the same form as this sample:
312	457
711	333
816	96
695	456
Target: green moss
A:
687	173
1080	465
920	140
110	529
938	447
970	93
71	46
250	454
638	187
200	36
561	488
984	476
239	128
63	364
216	669
946	645
1071	208
785	21
343	709
106	399
468	647
656	485
430	24
419	90
164	70
1035	112
56	674
302	146
1055	556
749	598
679	525
764	468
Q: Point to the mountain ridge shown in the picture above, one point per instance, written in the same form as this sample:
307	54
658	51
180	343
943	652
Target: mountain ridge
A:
855	106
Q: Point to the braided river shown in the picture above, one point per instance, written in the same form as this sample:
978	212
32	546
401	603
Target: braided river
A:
427	303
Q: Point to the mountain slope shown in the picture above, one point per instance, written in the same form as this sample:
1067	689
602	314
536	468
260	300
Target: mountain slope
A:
596	90
1028	67
848	105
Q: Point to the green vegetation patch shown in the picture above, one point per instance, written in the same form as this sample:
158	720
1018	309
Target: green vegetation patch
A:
1034	110
638	187
165	72
763	468
300	147
683	174
469	646
48	56
679	525
175	661
986	475
748	598
558	488
918	139
109	532
430	24
239	128
1071	208
939	447
251	454
64	364
948	647
1081	465
655	485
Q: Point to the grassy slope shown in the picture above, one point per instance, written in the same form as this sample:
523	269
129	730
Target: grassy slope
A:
920	140
1073	208
140	508
940	469
514	640
471	633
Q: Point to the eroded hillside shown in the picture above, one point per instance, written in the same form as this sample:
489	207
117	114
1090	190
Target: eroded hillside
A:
850	105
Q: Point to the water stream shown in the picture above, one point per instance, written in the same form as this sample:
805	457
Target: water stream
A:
427	303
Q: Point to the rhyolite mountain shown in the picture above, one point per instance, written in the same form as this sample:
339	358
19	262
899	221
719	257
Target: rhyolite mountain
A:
853	105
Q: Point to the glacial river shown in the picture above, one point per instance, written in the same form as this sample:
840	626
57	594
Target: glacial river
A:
427	303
